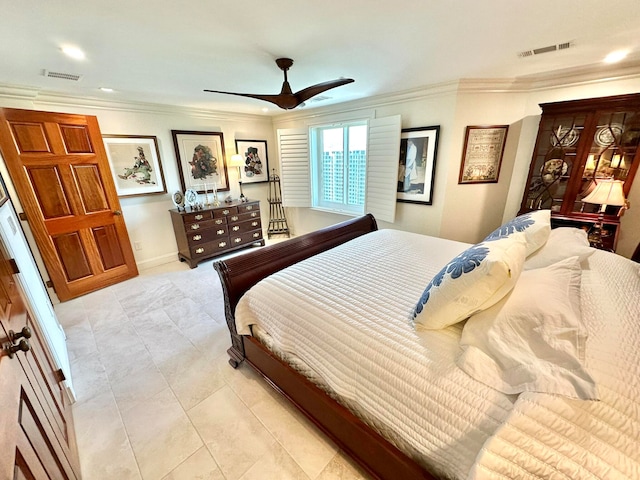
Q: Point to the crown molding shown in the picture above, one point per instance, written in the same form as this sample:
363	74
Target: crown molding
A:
39	97
570	77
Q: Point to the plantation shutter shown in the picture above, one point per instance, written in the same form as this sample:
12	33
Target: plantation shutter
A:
383	153
295	176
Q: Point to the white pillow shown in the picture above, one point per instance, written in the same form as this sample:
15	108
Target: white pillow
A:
471	282
563	242
533	340
535	225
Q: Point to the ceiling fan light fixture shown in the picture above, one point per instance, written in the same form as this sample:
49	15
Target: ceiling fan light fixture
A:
286	99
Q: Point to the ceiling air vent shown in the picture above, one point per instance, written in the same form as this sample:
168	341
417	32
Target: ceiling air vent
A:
550	48
64	76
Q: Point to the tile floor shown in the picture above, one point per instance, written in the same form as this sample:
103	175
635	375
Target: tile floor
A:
157	400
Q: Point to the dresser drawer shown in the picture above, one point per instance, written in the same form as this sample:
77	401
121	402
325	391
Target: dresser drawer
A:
225	212
242	227
196	217
203	225
211	248
249	207
241	217
207	235
243	238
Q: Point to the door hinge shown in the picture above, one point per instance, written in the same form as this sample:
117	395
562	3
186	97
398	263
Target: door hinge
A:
49	284
22	216
13	266
59	375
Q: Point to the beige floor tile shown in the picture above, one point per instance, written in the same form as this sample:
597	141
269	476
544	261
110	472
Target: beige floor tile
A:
103	443
309	447
233	435
199	466
161	435
342	468
275	464
157	398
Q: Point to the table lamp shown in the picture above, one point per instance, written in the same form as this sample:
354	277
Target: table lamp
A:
607	192
238	161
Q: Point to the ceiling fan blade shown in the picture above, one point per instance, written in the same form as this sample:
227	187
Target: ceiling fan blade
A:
286	99
313	90
278	100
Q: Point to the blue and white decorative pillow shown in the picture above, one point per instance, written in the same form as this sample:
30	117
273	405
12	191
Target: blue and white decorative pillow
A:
471	282
535	225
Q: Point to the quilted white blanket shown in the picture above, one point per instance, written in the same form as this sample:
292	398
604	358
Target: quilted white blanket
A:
345	316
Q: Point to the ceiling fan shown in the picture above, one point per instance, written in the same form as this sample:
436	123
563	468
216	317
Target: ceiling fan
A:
286	99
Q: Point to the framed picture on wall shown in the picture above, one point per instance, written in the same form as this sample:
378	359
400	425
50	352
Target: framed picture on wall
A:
417	164
135	164
482	154
256	163
201	160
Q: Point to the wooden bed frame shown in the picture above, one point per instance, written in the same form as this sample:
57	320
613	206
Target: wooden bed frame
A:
371	451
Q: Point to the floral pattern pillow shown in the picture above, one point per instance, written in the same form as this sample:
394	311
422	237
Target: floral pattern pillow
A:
535	225
471	282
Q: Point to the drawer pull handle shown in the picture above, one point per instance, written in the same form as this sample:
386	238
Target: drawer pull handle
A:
254	214
256	235
237	240
220	232
234	218
225	212
199	217
249	207
222	244
254	224
235	228
197	237
219	221
200	250
195	226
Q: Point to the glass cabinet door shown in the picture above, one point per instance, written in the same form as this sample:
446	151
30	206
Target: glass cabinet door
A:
611	154
579	143
555	160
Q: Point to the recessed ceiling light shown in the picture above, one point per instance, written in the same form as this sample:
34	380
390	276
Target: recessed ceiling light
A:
106	89
73	52
265	109
616	56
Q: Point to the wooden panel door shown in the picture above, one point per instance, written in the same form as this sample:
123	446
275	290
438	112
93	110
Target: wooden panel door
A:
60	170
37	439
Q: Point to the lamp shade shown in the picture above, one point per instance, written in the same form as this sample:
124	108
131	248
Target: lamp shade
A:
607	192
237	160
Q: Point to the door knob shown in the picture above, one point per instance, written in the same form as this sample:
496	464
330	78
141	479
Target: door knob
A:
24	333
12	349
117	212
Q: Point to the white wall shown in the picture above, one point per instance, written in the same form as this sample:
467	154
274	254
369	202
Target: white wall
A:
469	212
147	218
460	212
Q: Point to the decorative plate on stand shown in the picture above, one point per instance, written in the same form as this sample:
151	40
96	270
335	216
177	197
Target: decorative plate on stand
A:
191	197
178	199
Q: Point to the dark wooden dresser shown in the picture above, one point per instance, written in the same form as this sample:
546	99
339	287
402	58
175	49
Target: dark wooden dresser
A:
202	234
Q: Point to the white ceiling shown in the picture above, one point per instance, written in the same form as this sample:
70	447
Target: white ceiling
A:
167	52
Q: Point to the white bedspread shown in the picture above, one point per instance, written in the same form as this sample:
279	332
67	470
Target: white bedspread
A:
353	330
546	436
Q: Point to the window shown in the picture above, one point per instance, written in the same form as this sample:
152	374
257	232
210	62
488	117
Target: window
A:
372	150
339	167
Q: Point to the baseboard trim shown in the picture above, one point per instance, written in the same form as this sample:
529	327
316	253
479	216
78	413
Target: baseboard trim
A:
157	261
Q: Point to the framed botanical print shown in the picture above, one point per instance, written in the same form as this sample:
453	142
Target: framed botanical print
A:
201	160
135	164
417	164
256	164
